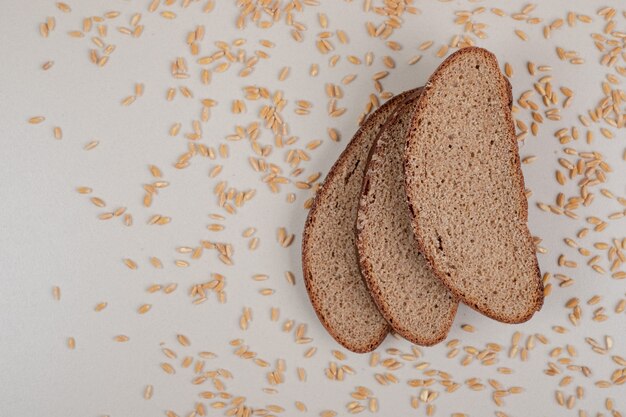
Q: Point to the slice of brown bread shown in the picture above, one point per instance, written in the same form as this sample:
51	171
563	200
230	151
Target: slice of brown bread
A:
329	260
415	303
465	189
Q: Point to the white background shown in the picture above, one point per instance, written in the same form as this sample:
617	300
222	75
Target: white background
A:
50	235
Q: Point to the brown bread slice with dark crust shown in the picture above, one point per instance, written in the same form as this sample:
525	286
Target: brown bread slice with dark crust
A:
329	259
415	303
465	189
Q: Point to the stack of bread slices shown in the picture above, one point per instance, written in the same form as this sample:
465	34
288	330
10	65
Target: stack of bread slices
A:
424	209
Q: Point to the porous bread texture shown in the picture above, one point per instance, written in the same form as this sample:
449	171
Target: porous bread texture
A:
465	189
329	260
415	303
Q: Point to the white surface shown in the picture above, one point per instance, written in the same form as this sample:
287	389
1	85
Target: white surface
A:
50	235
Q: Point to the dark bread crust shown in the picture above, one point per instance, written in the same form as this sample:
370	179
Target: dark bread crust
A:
366	268
506	95
322	195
